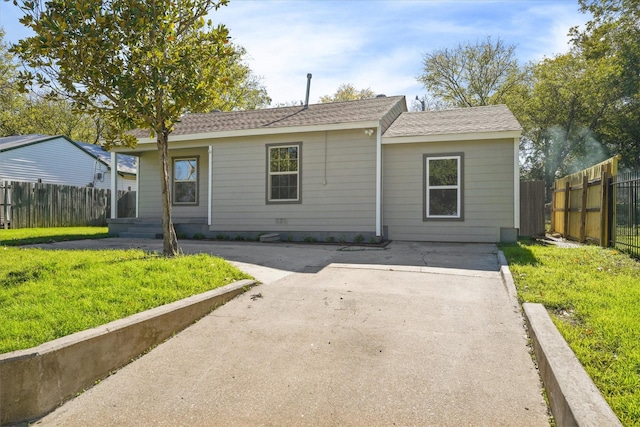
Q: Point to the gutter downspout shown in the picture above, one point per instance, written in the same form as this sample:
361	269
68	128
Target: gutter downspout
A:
210	188
379	181
516	184
138	187
114	185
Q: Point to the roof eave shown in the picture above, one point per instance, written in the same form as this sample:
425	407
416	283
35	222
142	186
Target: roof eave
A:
471	136
194	137
36	141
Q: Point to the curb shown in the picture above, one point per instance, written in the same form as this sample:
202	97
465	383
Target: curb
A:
573	397
37	380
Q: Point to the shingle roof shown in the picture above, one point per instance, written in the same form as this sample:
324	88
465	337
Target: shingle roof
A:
126	164
493	118
317	114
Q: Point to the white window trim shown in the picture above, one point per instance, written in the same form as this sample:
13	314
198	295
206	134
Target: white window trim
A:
458	186
270	147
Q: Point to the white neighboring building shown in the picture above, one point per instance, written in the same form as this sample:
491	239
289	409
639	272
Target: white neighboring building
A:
58	160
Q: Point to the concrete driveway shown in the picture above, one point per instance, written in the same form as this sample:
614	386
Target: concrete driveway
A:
413	334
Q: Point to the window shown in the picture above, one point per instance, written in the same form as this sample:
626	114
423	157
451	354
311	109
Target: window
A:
185	181
283	173
443	186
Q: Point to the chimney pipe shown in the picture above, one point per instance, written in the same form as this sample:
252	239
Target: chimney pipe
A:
306	102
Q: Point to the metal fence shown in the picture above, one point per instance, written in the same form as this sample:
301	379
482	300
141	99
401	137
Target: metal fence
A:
625	212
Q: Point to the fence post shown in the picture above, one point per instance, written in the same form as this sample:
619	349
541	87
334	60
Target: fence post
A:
583	208
5	204
604	209
553	207
567	197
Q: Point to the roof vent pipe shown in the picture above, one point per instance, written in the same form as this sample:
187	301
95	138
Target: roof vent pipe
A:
306	102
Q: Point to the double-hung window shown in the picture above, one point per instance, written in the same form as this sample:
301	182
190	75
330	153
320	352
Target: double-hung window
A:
283	173
185	181
443	186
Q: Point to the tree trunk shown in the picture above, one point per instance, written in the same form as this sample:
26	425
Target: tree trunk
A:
169	239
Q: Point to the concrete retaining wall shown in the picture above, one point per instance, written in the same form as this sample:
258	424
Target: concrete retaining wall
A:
573	397
35	381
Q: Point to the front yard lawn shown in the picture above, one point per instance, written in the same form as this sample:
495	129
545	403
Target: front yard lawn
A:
47	294
593	296
26	236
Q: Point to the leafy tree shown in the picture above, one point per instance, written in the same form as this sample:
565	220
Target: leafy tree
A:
246	91
137	64
26	113
584	106
54	116
10	99
348	92
613	35
471	75
613	31
568	100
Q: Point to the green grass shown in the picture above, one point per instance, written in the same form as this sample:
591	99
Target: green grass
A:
593	296
47	294
26	236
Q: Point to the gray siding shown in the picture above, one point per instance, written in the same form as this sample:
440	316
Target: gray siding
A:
338	184
488	191
149	193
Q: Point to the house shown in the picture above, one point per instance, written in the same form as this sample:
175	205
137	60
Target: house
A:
58	160
359	170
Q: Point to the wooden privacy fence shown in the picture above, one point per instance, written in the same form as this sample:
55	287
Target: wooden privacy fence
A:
580	204
31	205
532	200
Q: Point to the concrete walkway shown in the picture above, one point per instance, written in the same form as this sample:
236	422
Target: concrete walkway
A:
414	334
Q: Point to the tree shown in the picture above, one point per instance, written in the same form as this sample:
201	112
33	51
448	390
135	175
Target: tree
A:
428	103
567	103
245	92
471	75
55	116
10	98
613	35
348	92
137	64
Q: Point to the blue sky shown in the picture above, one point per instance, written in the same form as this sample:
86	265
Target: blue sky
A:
375	44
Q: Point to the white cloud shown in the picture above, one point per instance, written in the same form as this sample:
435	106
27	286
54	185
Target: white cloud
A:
285	43
543	30
375	44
